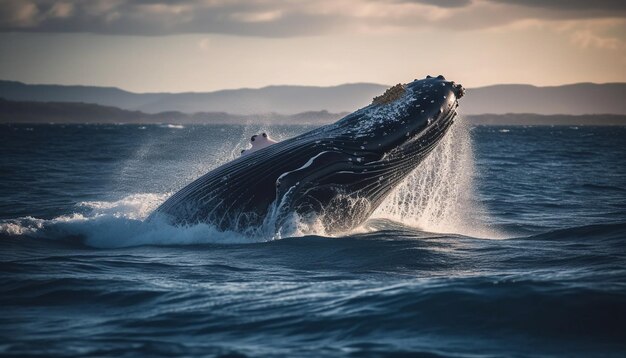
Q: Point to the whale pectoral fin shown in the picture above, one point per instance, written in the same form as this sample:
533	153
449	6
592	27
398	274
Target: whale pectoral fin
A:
313	166
314	170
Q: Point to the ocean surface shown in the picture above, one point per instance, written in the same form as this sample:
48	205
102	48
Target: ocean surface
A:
506	241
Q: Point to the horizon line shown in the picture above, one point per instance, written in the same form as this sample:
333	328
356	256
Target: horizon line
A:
295	85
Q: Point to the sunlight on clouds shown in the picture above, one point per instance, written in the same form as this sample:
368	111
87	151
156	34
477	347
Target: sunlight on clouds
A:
599	34
61	10
265	16
166	9
100	7
284	18
586	39
19	14
206	44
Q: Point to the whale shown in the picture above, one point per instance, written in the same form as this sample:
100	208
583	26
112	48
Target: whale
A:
337	174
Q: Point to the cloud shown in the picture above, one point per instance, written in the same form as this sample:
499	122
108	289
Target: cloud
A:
442	3
571	5
287	18
62	9
18	14
587	39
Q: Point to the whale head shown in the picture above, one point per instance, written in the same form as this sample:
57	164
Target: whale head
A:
396	119
363	156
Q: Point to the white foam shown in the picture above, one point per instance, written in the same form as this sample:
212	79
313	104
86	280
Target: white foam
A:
439	195
119	224
135	206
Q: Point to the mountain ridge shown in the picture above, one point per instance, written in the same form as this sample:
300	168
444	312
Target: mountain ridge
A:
19	112
569	99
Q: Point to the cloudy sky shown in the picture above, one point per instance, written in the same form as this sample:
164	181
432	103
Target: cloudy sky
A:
203	45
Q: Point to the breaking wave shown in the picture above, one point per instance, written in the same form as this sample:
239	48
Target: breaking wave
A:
118	224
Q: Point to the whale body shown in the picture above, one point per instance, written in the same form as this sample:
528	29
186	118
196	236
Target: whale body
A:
338	173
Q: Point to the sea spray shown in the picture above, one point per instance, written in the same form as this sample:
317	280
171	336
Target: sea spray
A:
119	224
439	195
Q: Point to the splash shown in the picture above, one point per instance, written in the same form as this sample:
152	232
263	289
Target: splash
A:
119	224
439	196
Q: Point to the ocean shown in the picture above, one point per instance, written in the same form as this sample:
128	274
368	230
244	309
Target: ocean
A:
506	241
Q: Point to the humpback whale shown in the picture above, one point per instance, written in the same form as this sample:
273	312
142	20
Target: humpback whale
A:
338	173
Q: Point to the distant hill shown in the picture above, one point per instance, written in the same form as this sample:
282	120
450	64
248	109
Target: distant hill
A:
531	119
575	99
273	99
106	96
66	112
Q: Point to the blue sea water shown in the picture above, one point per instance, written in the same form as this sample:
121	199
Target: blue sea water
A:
509	241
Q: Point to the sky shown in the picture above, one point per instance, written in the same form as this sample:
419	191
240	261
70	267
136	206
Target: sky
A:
207	45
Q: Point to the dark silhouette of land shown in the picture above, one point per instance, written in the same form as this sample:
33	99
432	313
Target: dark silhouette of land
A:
67	112
273	99
64	112
574	99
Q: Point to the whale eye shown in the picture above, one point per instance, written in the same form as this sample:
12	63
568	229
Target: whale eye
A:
264	135
253	137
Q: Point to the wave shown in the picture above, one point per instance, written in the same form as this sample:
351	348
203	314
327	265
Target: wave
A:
121	223
428	315
596	233
118	224
173	126
599	187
